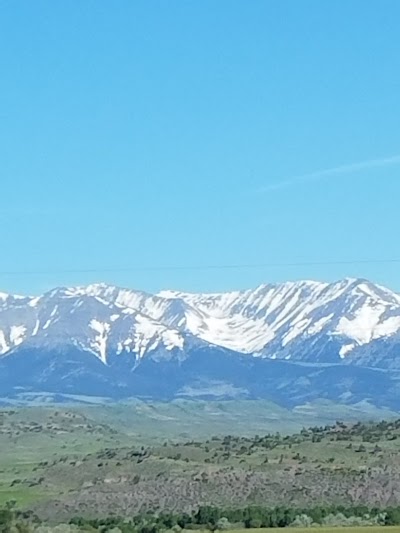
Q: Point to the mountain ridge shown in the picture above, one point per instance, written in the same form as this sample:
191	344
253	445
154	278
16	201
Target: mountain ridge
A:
100	338
269	321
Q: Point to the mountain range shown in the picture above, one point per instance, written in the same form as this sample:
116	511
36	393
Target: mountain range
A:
291	342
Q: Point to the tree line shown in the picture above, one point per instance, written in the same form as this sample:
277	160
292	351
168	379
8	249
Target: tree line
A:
219	519
207	518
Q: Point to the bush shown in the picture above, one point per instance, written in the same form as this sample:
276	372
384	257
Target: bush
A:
223	524
254	523
302	520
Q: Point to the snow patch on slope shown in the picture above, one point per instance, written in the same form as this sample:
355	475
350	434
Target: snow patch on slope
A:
36	328
148	336
17	334
100	341
344	350
367	324
3	343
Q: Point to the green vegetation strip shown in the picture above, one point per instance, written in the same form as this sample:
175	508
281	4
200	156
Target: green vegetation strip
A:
257	519
62	463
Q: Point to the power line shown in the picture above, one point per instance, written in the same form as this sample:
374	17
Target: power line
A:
153	268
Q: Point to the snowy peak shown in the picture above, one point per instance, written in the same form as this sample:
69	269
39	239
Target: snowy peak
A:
299	321
84	318
281	315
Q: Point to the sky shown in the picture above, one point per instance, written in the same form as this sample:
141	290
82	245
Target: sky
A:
198	145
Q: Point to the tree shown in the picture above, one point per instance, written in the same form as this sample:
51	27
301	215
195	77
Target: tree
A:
223	524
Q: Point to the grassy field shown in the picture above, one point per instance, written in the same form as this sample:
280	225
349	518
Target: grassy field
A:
31	436
69	461
182	419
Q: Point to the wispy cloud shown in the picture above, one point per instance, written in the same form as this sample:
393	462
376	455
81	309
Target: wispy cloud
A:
333	172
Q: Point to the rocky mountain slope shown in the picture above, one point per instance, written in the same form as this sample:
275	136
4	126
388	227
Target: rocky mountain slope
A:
102	330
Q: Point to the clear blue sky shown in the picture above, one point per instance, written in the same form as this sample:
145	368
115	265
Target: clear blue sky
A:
161	133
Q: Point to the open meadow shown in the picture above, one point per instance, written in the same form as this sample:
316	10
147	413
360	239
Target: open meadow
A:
67	462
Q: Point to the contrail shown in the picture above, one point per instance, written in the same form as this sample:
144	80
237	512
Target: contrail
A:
335	171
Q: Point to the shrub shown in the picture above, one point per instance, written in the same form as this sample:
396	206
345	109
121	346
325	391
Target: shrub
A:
223	524
302	520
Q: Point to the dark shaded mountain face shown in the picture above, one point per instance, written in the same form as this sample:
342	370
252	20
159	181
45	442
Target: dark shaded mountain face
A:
290	343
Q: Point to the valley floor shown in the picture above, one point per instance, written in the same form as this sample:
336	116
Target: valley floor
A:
65	462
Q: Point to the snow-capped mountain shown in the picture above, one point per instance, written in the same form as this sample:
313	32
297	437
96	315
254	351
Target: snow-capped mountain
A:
351	323
81	318
273	320
282	321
